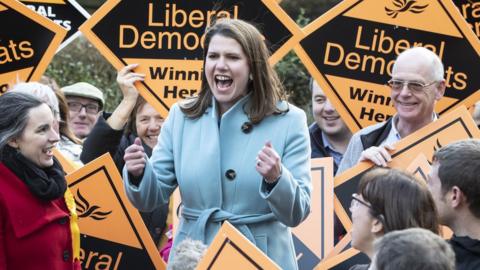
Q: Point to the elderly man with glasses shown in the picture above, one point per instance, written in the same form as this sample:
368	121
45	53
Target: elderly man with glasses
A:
417	84
85	102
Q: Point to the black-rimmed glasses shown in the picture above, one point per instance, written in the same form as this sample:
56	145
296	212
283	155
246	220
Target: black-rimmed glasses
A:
90	108
356	200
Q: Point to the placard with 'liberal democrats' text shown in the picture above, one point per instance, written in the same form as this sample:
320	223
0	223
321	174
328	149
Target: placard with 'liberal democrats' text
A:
66	13
28	42
166	39
350	51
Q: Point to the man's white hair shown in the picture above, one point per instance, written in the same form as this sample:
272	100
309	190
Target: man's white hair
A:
429	57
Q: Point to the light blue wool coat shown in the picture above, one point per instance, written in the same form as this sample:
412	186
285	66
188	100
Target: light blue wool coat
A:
195	154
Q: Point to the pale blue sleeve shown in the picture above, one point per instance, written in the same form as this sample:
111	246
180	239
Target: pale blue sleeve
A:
291	197
159	179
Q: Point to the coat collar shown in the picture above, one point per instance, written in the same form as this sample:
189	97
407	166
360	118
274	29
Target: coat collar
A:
25	212
237	106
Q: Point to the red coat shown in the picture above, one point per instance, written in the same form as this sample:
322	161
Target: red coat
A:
33	234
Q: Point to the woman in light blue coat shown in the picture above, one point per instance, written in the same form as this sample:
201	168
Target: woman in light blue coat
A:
238	152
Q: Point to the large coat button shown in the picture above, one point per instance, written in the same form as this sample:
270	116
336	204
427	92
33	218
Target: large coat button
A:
66	255
247	127
63	221
230	174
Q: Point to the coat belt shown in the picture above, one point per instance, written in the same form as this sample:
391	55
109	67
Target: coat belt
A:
218	215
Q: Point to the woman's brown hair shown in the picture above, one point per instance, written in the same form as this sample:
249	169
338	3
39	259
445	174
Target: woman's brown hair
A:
398	200
131	127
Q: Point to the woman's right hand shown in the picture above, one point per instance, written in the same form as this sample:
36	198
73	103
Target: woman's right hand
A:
135	158
126	79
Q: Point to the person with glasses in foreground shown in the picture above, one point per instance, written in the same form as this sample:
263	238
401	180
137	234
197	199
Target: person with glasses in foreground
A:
389	200
417	84
85	102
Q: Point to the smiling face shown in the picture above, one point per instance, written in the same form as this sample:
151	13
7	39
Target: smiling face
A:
148	124
226	70
39	137
412	106
81	121
325	115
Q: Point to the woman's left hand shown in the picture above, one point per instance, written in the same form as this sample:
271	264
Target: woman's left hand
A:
268	163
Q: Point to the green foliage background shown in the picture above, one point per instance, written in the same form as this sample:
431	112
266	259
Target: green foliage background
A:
80	61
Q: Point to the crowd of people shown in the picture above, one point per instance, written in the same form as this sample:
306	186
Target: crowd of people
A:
238	152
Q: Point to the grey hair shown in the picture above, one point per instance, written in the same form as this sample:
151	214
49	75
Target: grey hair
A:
15	107
41	91
430	57
413	249
187	254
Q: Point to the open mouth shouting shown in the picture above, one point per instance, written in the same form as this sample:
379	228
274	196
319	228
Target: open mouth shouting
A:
223	82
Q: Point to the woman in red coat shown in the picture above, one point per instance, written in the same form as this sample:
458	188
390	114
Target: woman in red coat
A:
38	229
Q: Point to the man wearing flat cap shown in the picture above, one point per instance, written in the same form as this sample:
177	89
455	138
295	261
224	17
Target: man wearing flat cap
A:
85	103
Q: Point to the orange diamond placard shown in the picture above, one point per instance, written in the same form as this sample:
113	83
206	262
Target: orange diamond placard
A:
66	13
230	249
310	250
166	39
470	10
28	42
113	235
350	51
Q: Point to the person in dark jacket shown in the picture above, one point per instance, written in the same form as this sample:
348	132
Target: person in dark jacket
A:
132	118
329	137
417	84
455	185
38	221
